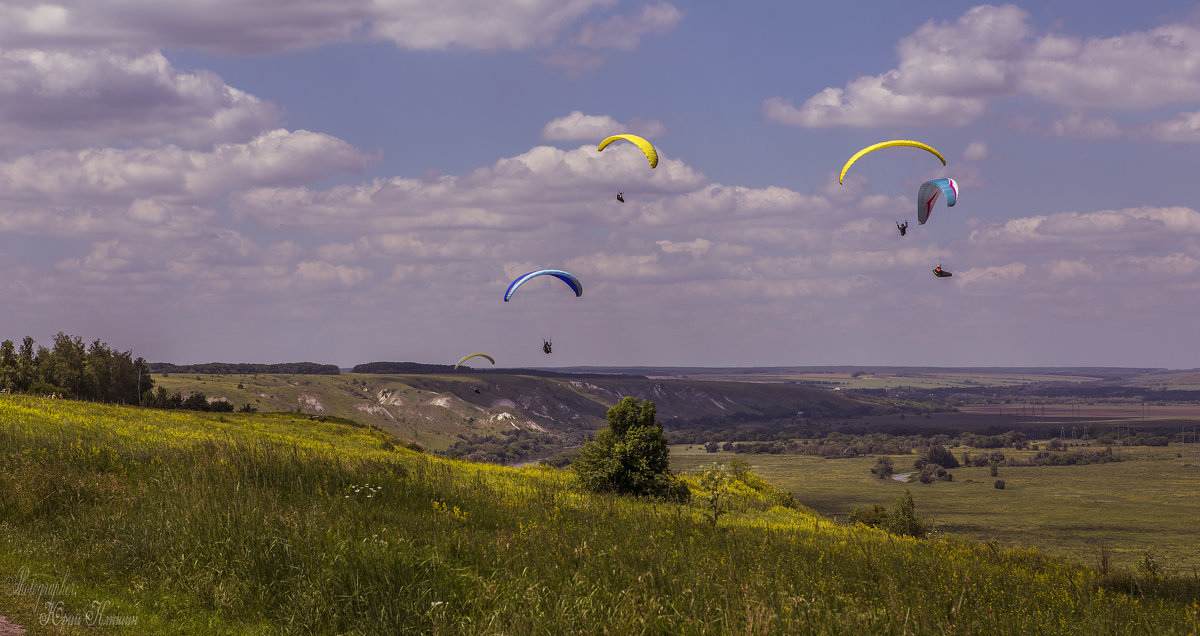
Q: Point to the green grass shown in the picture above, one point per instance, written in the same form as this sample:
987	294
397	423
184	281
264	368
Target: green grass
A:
196	523
1148	503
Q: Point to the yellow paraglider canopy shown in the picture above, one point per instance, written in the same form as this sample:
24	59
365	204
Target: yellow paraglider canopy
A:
651	153
473	355
889	144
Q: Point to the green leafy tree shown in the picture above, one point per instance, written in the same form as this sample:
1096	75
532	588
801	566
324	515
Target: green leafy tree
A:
903	518
8	366
630	457
26	365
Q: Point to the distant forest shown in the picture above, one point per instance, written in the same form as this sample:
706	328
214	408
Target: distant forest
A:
245	368
71	369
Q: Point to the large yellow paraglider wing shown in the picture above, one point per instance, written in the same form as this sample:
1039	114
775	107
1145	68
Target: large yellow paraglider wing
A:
889	144
650	152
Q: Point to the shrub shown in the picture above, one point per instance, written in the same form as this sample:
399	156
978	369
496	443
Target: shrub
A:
875	516
999	485
901	519
933	472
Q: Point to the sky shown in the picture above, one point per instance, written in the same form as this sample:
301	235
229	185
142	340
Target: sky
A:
355	181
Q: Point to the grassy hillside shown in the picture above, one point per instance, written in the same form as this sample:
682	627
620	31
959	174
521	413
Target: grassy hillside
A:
162	522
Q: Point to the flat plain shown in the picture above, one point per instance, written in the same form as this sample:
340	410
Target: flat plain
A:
1147	505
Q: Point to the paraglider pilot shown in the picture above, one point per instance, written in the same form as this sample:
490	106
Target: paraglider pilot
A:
621	197
941	273
902	227
546	346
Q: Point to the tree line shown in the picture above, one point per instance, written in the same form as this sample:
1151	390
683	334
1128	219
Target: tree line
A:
72	369
246	368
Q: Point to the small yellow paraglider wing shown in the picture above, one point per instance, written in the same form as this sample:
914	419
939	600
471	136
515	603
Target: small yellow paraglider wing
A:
475	355
889	144
650	152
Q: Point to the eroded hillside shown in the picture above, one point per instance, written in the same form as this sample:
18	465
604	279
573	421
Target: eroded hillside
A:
440	410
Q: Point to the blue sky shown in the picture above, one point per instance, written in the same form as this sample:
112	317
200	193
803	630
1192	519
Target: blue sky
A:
357	181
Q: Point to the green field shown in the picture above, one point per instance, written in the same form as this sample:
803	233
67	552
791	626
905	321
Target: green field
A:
193	523
1149	503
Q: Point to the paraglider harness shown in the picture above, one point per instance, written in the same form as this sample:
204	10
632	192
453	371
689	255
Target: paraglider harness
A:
940	273
546	346
621	197
903	228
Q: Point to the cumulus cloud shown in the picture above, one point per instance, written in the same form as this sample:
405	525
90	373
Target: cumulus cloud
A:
99	175
576	125
75	99
950	72
234	27
1141	227
571	185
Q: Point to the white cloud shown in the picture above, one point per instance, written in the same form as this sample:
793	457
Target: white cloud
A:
871	101
75	99
949	73
990	277
624	32
1134	70
1184	127
543	185
1141	227
96	175
975	151
694	248
576	125
1076	124
234	27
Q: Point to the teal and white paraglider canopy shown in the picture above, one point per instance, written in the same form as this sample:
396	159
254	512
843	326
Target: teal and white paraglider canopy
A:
928	195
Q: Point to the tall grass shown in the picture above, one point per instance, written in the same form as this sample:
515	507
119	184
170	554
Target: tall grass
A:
311	527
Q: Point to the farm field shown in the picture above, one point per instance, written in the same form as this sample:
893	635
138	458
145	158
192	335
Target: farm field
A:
928	380
1100	410
1148	504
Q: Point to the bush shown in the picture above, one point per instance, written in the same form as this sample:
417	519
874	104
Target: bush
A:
999	485
933	472
901	519
876	516
630	457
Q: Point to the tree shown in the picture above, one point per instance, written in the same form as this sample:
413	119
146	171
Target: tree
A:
903	518
884	467
936	454
714	491
630	457
8	366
